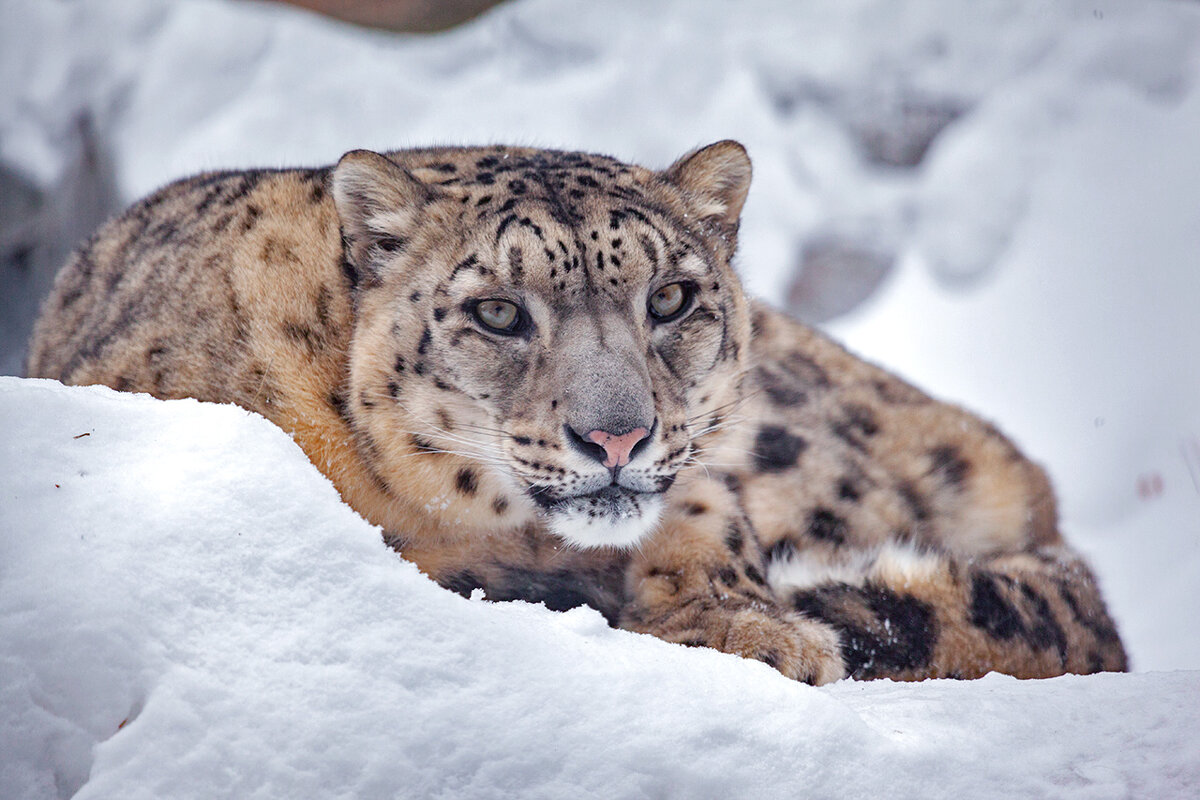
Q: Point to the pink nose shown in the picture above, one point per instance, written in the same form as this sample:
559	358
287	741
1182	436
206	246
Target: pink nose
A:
617	447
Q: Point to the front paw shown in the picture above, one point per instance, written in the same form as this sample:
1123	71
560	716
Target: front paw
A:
800	648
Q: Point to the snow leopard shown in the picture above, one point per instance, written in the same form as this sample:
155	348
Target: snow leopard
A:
539	374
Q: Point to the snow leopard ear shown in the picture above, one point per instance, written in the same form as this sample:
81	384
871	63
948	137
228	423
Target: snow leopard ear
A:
715	180
378	202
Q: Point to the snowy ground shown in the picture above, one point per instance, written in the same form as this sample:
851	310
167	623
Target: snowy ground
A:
179	569
1005	197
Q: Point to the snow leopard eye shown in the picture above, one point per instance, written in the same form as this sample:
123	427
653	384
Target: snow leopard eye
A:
500	316
671	301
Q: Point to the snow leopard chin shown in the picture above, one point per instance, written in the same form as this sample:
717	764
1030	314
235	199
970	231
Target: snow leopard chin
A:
612	517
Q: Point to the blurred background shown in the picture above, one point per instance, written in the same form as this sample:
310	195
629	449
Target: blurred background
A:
999	199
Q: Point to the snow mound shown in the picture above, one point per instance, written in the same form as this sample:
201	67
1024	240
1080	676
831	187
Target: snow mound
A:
187	609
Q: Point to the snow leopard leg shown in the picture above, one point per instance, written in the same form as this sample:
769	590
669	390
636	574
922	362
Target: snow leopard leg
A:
905	614
699	581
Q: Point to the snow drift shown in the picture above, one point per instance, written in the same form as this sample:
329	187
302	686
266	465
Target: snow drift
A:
188	610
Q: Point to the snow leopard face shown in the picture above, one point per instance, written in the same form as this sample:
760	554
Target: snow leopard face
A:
566	326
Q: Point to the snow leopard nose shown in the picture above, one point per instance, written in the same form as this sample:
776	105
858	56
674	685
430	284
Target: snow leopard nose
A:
617	448
611	450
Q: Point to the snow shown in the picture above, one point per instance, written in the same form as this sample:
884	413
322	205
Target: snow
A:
1003	195
1085	338
187	610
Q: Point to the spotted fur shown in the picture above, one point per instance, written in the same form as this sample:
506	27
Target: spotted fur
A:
788	501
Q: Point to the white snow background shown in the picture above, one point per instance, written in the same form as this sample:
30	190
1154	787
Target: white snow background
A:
187	610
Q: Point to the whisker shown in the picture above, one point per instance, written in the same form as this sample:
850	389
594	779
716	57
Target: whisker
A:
452	436
720	409
462	454
718	427
465	424
701	464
